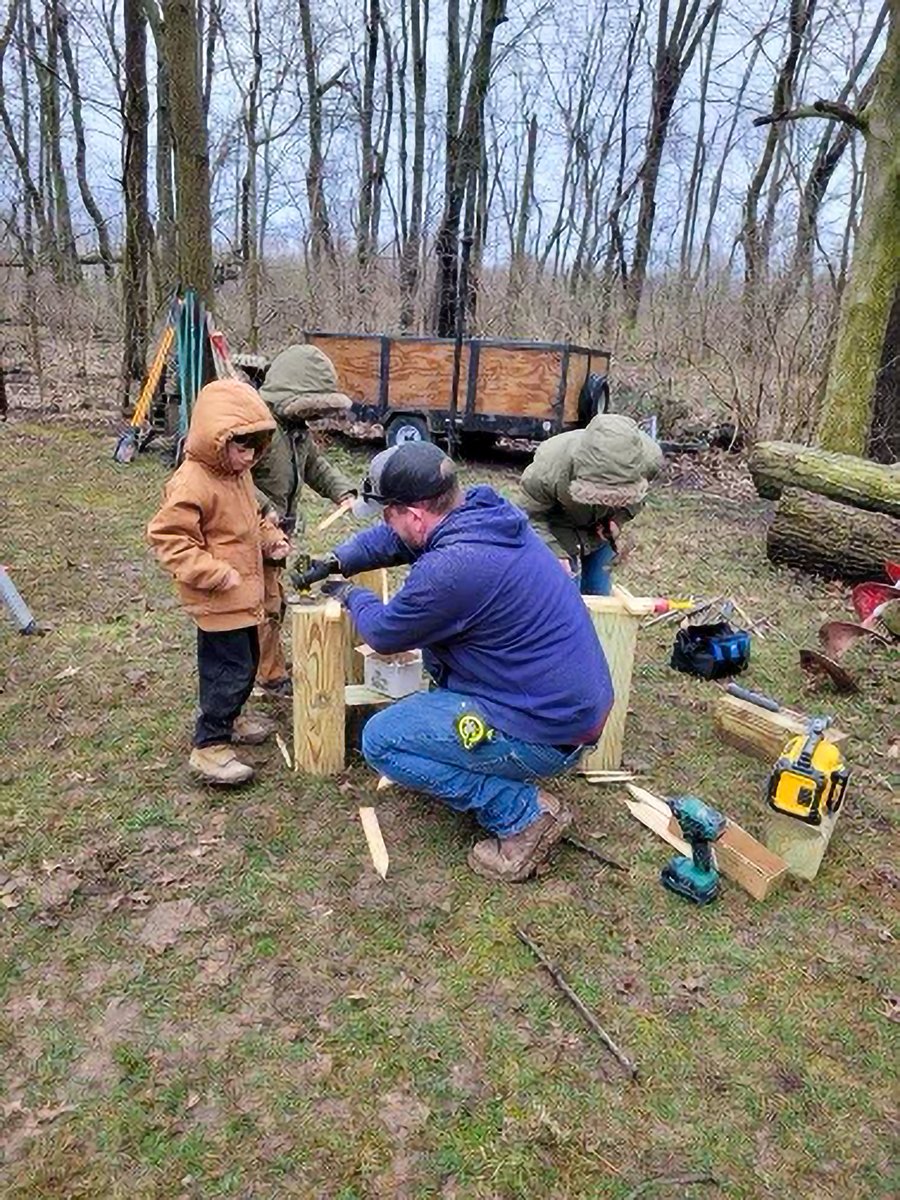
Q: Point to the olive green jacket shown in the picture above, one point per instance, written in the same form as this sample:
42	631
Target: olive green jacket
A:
610	453
292	459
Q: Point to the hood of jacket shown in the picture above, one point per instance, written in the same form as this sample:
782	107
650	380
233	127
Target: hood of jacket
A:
302	384
484	518
612	461
221	410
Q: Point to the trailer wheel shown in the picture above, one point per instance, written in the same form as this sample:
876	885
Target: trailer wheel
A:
402	429
594	398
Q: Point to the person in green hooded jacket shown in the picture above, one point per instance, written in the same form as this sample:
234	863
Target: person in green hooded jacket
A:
582	486
300	386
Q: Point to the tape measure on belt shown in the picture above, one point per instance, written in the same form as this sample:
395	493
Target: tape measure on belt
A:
472	730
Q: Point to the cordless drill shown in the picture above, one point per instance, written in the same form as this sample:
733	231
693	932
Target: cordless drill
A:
695	878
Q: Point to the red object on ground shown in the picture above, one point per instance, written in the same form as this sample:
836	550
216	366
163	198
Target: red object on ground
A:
837	636
868	596
892	570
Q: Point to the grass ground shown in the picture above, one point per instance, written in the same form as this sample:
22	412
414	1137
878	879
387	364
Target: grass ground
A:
214	996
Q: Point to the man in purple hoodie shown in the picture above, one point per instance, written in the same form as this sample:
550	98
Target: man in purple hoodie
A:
522	685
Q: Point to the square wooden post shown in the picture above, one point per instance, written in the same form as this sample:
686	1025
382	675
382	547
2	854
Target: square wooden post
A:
617	630
376	581
319	635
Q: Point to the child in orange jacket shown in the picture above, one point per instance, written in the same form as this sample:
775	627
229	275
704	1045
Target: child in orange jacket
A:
210	536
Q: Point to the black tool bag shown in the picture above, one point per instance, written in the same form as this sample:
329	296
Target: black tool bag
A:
711	651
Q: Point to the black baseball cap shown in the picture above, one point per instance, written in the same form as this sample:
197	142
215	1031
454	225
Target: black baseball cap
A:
409	473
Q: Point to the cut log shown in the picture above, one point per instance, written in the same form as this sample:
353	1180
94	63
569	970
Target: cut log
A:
844	477
812	533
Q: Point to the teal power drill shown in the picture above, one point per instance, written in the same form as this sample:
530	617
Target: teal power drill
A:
695	878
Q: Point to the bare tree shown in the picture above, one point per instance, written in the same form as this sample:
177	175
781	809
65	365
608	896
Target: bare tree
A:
192	174
676	46
135	121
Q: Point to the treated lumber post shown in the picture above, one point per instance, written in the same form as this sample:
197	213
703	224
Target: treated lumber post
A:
319	708
801	846
844	477
757	731
617	630
812	533
376	581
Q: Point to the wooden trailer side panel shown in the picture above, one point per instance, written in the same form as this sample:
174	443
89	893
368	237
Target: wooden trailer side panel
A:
357	361
575	377
421	374
517	382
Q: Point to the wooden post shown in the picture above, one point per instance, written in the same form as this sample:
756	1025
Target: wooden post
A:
616	628
376	581
757	731
319	656
801	846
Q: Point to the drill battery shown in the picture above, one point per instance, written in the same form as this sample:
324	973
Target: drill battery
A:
809	780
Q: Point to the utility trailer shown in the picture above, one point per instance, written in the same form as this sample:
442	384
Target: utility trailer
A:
512	389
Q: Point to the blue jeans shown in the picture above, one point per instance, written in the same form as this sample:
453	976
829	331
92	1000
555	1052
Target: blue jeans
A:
415	743
596	571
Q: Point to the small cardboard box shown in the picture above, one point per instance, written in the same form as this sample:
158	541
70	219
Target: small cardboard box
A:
394	675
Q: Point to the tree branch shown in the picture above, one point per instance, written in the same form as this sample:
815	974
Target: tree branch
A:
819	108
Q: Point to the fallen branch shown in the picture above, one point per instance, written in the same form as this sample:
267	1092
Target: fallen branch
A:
556	975
670	1181
579	845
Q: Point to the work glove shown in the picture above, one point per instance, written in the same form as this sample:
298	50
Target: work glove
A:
319	568
337	589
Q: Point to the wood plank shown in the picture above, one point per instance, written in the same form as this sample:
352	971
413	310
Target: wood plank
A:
757	731
377	848
357	362
376	581
318	653
801	846
422	372
357	695
617	631
740	857
519	382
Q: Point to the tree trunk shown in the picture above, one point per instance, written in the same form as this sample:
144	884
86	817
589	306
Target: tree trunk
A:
166	251
409	261
884	441
875	270
87	196
812	533
136	119
779	465
67	252
674	52
321	242
463	169
193	217
364	238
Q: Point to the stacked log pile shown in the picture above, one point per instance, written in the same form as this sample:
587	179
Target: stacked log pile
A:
837	516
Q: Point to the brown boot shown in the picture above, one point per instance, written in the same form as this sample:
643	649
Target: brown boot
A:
516	858
251	731
219	764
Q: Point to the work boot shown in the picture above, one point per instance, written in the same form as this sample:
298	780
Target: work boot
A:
251	731
274	689
220	765
516	858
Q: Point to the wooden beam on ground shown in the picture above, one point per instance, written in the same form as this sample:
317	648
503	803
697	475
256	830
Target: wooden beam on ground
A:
740	857
318	654
758	731
801	846
616	629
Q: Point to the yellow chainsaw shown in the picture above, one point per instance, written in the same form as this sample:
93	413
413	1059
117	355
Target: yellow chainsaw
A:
809	780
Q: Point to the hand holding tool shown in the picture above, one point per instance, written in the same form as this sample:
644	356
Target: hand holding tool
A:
315	571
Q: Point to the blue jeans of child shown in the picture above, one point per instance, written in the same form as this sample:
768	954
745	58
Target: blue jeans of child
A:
596	571
415	743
